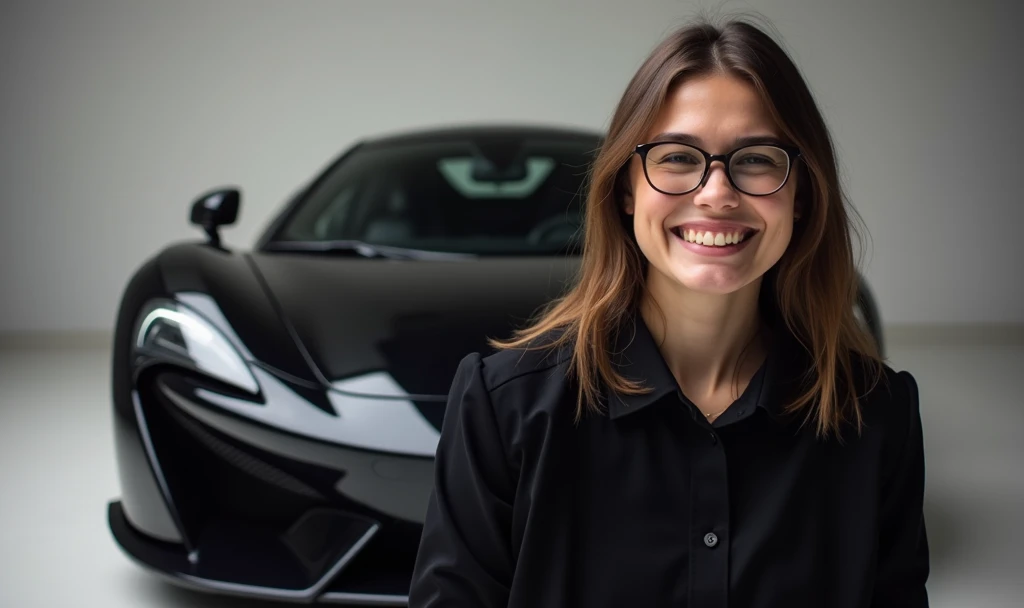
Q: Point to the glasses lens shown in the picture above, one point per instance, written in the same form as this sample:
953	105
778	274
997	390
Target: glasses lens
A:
674	168
760	169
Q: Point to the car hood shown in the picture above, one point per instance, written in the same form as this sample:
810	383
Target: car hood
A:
410	321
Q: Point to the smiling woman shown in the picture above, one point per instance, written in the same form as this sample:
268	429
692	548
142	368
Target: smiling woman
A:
701	420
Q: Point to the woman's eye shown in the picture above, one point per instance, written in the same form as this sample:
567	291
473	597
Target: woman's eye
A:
678	158
754	159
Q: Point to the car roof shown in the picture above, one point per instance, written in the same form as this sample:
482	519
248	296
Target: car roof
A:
440	134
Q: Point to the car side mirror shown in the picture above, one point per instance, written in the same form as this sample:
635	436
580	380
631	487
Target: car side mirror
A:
215	209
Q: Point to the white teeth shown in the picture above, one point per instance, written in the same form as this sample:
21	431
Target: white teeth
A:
712	239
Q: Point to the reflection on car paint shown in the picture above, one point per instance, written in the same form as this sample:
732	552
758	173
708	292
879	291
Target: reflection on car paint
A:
386	425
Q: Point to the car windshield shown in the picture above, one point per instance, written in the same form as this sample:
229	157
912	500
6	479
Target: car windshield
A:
480	195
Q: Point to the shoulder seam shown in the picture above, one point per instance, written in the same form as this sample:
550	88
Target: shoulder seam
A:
561	359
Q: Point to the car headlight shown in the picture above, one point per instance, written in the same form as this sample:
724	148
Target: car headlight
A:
170	332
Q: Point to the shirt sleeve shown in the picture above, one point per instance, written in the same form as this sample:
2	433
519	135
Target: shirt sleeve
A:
903	561
465	556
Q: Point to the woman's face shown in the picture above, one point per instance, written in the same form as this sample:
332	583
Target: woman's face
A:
715	112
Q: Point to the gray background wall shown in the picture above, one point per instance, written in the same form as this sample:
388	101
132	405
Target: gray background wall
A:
116	113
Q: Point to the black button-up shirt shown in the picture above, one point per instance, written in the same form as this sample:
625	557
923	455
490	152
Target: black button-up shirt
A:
650	505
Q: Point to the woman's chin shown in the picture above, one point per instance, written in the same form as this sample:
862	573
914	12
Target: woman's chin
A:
709	279
712	283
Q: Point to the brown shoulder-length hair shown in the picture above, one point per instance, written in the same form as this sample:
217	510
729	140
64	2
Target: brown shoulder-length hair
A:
811	289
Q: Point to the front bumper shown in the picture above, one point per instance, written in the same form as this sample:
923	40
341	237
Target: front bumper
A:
256	512
232	558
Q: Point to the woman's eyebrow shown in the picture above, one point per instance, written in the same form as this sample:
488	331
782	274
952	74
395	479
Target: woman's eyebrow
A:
693	140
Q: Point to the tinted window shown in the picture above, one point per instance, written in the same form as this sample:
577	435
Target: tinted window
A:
484	196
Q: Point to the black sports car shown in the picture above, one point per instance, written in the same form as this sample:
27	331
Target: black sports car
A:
277	410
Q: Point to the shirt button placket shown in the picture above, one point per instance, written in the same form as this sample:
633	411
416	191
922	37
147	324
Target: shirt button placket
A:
709	519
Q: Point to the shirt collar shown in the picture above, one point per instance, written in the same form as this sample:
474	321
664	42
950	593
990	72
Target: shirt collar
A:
635	355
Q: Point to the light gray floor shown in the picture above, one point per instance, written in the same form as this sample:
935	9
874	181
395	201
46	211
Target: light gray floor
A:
57	474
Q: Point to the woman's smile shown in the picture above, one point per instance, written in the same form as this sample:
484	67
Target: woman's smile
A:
714	238
716	244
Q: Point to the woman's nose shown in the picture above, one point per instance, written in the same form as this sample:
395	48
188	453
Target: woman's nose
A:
716	191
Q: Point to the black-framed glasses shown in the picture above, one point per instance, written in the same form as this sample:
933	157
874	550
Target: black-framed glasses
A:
758	170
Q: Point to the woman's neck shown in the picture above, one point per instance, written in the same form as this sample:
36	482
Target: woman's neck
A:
703	336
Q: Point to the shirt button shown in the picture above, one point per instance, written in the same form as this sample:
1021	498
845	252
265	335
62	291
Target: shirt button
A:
710	539
714	438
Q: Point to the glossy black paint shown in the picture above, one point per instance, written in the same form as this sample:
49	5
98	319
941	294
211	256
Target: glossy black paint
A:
143	492
414	318
230	279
